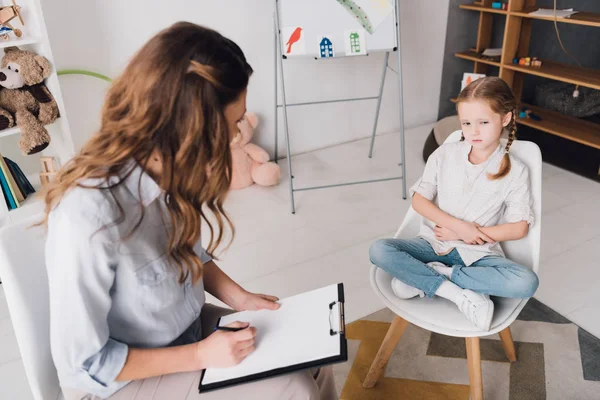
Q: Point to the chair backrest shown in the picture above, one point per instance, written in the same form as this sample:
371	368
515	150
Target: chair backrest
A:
25	282
527	250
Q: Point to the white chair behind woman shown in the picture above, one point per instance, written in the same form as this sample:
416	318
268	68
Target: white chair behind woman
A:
25	283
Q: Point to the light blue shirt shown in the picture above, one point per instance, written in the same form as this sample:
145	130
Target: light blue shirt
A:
106	293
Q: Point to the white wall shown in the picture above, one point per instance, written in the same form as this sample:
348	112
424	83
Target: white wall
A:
102	35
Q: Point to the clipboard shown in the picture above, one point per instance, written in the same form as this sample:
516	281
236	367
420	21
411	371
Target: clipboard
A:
307	331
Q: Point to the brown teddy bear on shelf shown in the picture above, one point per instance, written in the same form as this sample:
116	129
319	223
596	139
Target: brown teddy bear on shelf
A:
25	100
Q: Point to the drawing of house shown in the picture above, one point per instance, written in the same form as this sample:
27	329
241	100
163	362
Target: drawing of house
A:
326	48
354	42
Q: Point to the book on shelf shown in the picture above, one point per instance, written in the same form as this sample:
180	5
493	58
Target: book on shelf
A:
10	200
17	195
14	185
24	184
4	202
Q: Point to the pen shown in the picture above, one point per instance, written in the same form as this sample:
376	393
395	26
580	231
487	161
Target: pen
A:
228	329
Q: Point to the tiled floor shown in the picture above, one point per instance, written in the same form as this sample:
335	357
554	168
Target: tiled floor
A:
326	241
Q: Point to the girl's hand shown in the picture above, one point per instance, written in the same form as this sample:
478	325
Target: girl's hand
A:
469	233
445	234
256	301
225	349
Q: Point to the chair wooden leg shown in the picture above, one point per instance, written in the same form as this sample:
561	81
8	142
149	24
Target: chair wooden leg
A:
474	361
508	344
385	351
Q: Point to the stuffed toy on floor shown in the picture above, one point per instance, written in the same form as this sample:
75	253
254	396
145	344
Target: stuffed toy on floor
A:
250	162
24	96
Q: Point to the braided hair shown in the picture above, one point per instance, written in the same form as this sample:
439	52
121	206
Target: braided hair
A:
502	101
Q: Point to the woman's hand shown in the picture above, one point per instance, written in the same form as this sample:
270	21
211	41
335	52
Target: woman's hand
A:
224	349
255	301
469	233
445	234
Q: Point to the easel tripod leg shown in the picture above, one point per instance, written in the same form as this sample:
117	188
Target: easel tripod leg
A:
385	66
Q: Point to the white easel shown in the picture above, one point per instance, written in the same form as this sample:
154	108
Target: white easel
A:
279	57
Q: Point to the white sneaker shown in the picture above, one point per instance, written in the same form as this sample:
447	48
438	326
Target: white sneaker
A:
441	268
478	308
404	291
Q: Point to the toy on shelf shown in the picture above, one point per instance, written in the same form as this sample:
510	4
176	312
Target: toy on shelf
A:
528	61
48	170
536	63
24	99
500	5
527	113
7	14
488	54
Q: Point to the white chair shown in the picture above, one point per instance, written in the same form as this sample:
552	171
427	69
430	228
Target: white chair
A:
441	316
25	282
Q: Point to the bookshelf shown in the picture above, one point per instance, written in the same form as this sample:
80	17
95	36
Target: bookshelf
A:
517	36
34	38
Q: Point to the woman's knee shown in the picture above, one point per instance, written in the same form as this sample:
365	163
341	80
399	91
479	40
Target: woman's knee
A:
302	386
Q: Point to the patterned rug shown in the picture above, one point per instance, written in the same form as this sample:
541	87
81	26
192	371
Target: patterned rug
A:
555	360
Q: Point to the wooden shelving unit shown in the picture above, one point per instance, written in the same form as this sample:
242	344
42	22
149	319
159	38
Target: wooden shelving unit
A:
517	36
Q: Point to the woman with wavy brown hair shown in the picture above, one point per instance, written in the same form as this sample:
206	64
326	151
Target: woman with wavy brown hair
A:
124	218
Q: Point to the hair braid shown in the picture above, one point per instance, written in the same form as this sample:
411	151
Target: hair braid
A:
505	164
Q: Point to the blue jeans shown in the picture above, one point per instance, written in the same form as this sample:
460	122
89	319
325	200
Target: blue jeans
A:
493	275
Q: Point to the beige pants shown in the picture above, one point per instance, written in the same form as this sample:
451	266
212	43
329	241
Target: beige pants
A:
311	384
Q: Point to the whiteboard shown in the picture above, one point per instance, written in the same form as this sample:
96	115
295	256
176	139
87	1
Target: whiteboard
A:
329	18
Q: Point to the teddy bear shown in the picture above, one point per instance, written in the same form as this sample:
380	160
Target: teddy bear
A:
25	100
251	162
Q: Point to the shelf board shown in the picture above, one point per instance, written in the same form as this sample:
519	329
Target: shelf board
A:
581	18
575	129
10	131
17	41
31	204
471	55
482	9
587	77
16	130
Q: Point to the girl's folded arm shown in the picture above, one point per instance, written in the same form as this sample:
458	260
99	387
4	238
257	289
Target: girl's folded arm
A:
433	213
504	232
